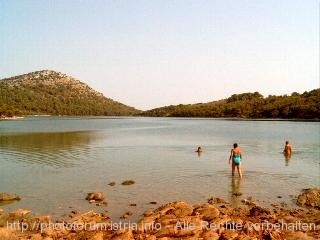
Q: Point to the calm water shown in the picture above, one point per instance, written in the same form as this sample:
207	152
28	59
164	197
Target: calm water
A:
53	162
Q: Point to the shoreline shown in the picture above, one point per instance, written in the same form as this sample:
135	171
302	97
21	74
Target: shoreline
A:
11	118
216	219
178	118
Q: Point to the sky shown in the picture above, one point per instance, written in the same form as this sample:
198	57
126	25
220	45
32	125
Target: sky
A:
152	53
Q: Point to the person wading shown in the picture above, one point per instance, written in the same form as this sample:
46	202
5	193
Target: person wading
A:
236	157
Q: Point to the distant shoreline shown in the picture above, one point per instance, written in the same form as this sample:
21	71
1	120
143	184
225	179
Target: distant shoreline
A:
178	118
11	118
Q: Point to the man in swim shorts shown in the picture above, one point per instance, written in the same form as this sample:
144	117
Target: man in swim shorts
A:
236	157
287	149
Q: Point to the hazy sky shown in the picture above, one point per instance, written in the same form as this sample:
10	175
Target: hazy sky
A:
153	53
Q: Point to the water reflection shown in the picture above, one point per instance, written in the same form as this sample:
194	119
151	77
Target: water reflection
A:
287	158
199	154
236	190
51	148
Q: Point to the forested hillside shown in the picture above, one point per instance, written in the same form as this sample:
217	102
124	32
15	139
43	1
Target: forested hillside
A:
249	105
54	93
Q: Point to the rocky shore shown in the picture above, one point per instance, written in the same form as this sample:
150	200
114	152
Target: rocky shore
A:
216	219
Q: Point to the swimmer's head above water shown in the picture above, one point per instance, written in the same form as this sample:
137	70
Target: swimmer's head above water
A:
199	149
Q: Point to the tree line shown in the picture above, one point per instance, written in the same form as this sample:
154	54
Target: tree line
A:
249	105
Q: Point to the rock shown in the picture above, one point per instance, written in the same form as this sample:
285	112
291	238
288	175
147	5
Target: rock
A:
128	182
210	235
259	211
208	212
147	213
229	234
126	215
153	202
39	237
310	198
194	216
6	233
168	231
298	236
96	196
183	233
9	197
123	235
248	202
250	198
105	215
112	184
104	203
181	209
98	236
129	213
216	200
166	209
133	204
151	237
21	212
48	233
237	194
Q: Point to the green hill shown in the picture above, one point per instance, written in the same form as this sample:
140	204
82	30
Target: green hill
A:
249	105
54	93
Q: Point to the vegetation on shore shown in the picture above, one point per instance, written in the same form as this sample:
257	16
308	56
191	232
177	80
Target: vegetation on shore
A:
249	105
7	111
53	93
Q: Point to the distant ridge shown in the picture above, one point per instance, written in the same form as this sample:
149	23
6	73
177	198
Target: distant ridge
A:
54	93
249	106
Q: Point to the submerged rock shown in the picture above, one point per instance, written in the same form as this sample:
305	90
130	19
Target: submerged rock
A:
112	184
95	196
237	194
216	200
128	182
126	215
9	197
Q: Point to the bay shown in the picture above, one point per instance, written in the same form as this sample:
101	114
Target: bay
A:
53	162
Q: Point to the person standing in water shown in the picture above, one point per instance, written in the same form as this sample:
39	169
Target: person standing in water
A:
287	149
236	157
199	151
